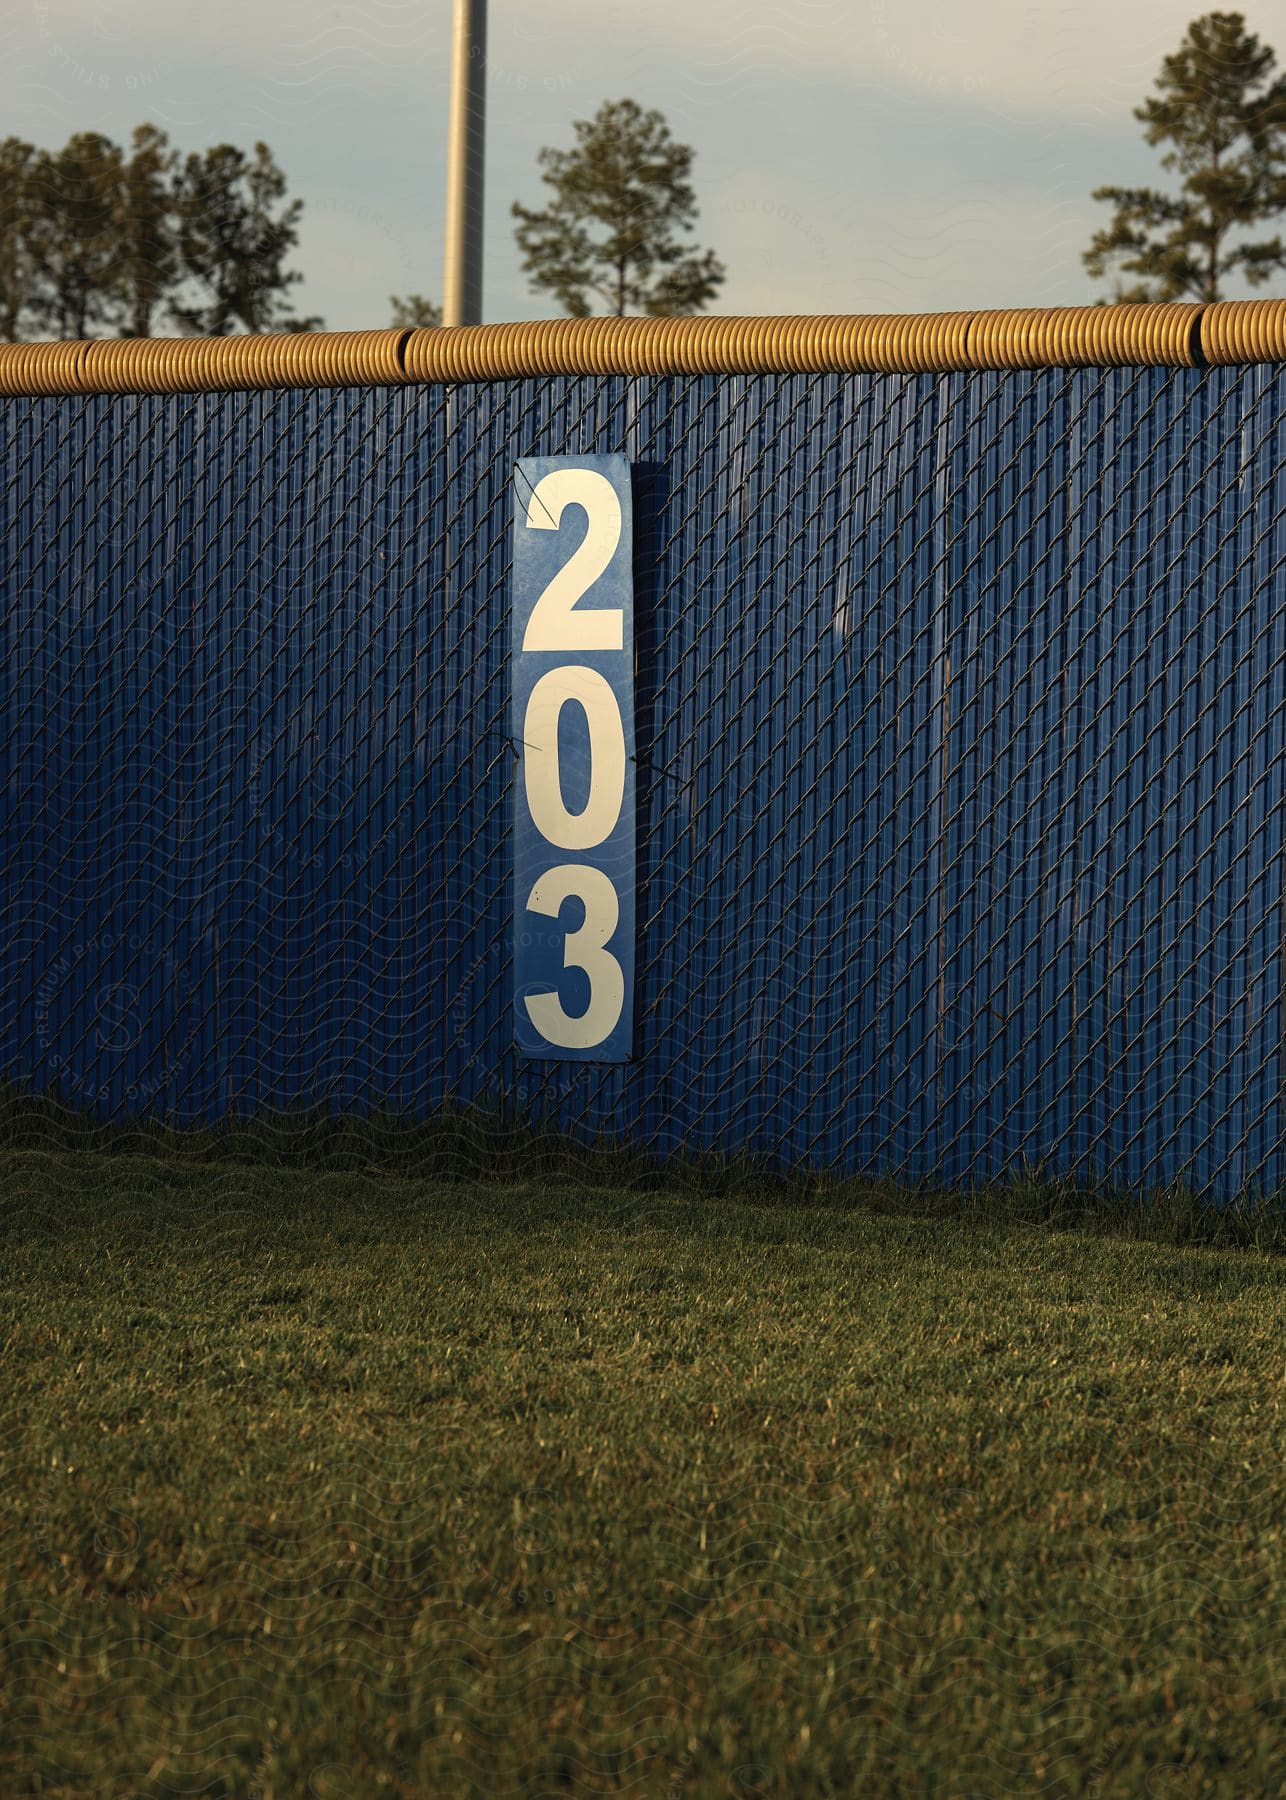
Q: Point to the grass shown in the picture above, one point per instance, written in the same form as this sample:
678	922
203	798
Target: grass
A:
456	1145
323	1477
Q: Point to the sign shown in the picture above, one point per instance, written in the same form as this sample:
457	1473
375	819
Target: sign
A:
573	727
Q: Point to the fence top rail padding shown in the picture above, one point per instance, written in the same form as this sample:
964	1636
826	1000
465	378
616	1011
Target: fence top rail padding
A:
1162	334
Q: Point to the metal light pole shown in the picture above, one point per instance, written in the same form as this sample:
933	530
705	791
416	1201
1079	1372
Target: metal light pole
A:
462	275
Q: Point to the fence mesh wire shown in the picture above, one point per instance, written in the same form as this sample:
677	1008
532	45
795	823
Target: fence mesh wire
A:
959	763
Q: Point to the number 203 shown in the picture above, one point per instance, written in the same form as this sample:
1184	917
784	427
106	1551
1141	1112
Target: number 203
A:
573	713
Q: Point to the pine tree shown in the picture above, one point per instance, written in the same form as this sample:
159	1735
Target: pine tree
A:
1224	122
16	274
148	264
74	218
620	197
232	244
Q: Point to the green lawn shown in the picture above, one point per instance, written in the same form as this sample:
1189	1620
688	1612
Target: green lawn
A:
348	1485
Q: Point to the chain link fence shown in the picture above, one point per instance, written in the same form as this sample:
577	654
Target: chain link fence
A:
960	712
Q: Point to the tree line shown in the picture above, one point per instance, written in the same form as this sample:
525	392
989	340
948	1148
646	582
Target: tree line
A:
98	240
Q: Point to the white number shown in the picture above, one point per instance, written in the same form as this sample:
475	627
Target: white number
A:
558	623
554	623
592	692
583	949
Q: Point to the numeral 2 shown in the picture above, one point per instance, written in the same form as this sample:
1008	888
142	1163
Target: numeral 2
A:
555	624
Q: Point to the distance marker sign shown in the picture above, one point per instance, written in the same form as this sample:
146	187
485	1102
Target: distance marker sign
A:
573	725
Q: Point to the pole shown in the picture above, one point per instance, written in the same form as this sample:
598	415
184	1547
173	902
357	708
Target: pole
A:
462	275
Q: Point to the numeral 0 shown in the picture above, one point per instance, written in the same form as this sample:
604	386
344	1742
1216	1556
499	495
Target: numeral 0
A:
593	694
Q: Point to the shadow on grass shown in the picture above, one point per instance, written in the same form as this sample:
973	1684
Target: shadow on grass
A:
479	1145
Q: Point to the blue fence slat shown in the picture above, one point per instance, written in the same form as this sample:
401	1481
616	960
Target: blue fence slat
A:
1264	577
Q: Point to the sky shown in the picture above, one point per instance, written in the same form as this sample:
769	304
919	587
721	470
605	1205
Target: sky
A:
850	155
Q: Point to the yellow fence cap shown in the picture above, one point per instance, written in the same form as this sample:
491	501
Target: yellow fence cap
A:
1234	331
1160	334
41	368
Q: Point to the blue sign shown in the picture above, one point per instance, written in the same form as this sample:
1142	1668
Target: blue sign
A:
573	725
